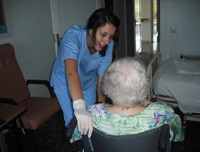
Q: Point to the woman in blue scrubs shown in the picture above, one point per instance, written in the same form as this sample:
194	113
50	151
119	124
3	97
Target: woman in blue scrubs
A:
83	57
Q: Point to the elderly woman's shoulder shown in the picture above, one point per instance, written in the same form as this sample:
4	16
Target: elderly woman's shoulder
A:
159	105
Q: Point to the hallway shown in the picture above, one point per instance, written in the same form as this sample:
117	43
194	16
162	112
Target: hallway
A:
146	50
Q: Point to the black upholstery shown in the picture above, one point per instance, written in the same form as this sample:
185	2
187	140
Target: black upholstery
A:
155	140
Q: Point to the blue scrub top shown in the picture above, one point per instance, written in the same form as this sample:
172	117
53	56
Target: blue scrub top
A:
74	46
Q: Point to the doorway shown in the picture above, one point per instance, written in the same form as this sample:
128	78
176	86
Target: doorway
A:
138	36
155	25
146	26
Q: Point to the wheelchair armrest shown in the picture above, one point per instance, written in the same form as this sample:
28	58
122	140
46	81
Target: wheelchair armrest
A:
43	82
164	138
70	129
8	101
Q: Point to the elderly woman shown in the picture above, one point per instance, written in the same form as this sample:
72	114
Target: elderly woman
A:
126	84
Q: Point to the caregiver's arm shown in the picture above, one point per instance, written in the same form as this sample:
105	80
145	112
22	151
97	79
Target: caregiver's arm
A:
84	119
73	79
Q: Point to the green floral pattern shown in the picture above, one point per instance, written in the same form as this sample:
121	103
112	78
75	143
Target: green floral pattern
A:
155	115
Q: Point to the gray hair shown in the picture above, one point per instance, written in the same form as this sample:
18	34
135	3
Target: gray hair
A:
126	82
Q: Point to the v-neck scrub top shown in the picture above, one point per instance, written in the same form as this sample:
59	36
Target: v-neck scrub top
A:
74	46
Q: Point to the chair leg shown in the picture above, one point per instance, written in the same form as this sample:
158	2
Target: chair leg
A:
28	146
21	139
14	129
21	124
3	142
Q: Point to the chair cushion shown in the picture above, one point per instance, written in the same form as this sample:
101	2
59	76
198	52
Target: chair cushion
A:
39	110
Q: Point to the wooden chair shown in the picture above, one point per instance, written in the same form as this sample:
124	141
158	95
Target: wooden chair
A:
14	90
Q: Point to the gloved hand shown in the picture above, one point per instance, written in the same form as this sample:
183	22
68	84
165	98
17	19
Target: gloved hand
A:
84	118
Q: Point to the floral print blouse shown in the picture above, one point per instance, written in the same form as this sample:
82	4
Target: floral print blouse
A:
154	116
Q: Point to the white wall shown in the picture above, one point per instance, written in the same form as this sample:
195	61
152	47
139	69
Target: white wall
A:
74	12
30	32
180	33
66	13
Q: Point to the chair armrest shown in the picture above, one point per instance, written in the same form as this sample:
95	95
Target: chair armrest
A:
43	82
8	101
70	129
164	138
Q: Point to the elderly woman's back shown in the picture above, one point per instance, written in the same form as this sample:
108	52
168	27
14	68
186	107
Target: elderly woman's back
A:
153	116
126	84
